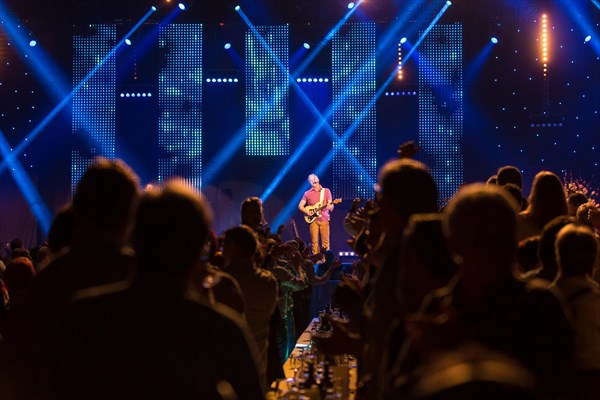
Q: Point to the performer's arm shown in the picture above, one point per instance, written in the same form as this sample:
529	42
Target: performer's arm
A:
301	206
329	199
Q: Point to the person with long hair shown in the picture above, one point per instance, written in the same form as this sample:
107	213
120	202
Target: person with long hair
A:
546	202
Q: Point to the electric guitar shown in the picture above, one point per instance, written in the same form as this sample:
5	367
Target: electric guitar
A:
315	210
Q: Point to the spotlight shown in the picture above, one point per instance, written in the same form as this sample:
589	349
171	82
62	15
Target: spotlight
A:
237	8
32	43
181	6
350	5
306	45
153	8
227	46
448	3
587	39
494	40
128	42
403	40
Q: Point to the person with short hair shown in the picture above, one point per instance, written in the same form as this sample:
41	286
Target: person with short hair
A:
153	336
317	202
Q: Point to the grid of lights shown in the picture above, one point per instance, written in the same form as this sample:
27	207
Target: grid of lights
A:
400	93
545	41
180	101
266	83
312	80
441	105
222	80
96	98
400	73
352	51
136	94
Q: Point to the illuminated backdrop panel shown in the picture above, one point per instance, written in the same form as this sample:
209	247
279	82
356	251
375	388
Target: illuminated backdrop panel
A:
180	102
354	86
93	123
267	92
441	105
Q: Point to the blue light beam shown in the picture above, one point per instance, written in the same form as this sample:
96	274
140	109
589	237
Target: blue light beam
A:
33	134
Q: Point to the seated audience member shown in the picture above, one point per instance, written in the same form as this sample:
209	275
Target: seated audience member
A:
512	175
515	192
492	180
546	202
62	231
15	365
528	258
153	337
549	270
215	285
259	287
576	250
588	214
574	200
485	304
97	255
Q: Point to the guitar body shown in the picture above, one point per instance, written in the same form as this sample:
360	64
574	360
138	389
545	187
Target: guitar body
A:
315	210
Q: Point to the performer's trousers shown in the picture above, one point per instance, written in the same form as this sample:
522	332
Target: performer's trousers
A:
319	228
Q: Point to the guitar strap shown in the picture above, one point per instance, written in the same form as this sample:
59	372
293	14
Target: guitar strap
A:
322	196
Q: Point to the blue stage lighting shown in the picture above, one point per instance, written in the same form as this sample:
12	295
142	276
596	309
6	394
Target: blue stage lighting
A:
494	40
448	3
403	40
588	38
181	6
32	43
306	45
128	42
350	5
153	8
227	46
237	8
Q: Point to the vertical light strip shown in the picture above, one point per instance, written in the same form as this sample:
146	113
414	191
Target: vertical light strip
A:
265	81
95	100
180	101
353	82
441	105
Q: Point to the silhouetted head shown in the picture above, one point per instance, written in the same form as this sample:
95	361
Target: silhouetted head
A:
62	230
252	212
576	250
406	188
240	243
574	201
547	198
509	174
105	195
515	192
547	253
172	225
480	225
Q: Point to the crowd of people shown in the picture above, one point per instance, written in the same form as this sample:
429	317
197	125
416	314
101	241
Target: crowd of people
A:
135	296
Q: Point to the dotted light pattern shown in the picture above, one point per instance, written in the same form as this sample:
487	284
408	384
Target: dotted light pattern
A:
354	80
441	105
267	92
94	121
400	73
180	101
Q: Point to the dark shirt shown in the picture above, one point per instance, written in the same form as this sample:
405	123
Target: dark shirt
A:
146	341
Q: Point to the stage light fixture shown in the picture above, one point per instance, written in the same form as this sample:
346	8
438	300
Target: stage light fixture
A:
181	6
227	46
350	5
32	43
587	38
128	42
237	8
494	40
306	45
403	40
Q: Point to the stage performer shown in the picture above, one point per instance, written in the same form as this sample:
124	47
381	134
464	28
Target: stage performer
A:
316	204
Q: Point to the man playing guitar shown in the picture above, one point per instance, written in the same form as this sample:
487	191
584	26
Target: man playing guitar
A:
316	205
